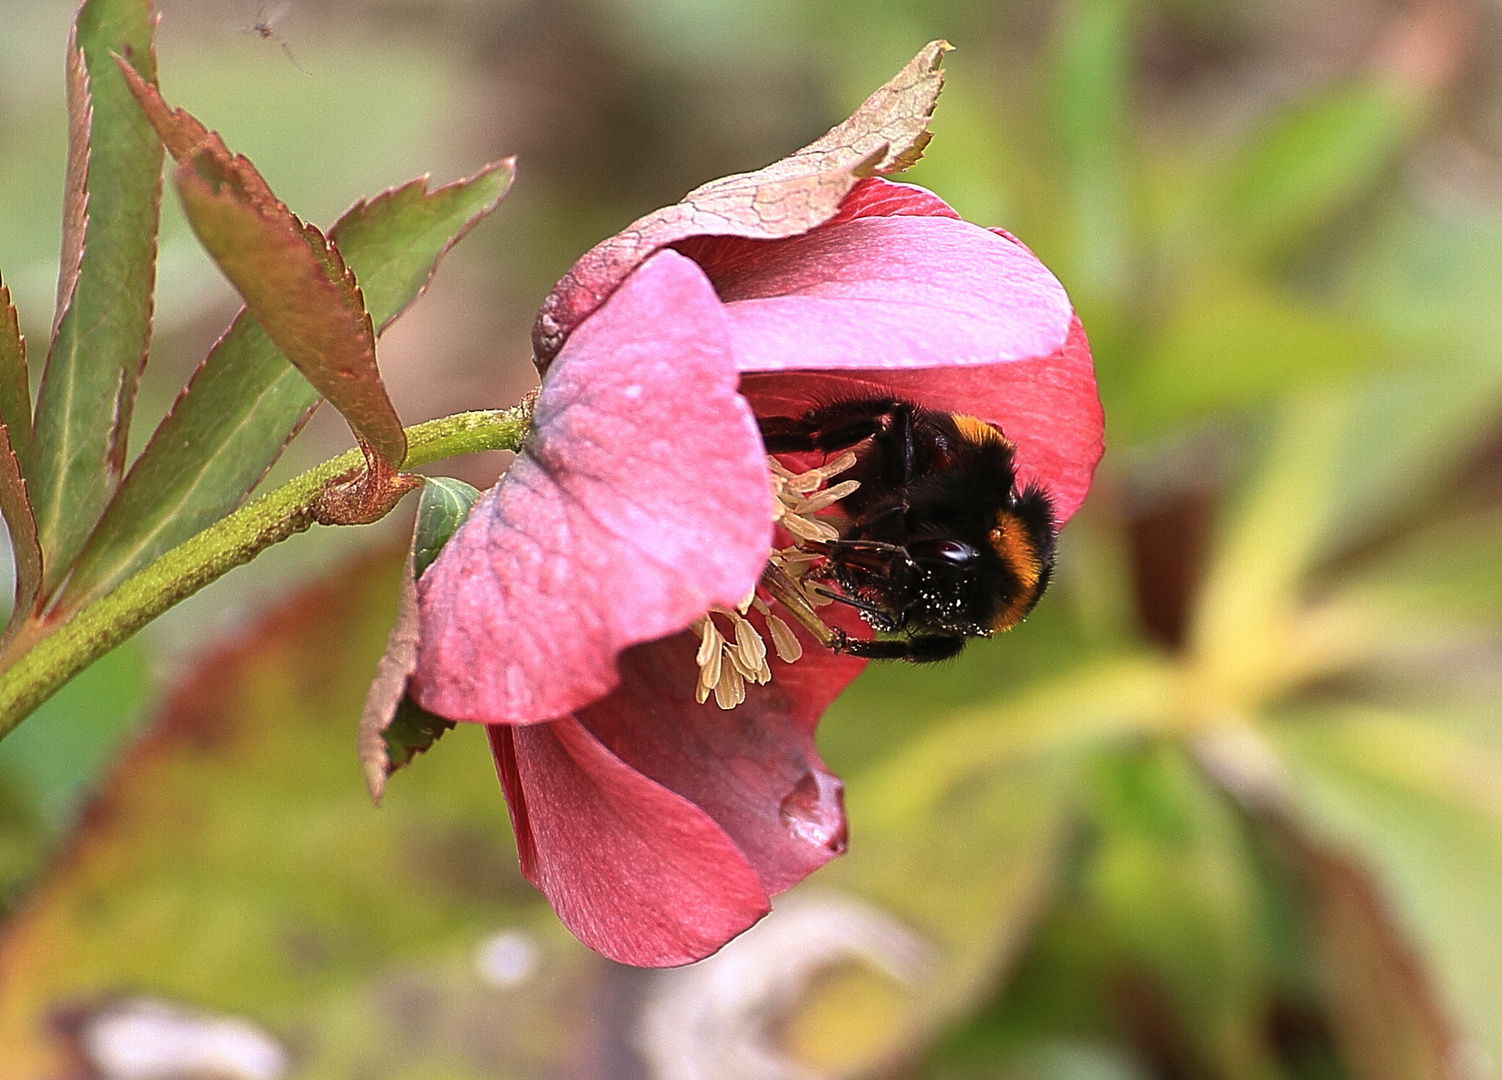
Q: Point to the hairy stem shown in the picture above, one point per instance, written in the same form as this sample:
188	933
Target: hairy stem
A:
233	541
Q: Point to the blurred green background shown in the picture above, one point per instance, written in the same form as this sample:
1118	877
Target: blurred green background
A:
1229	805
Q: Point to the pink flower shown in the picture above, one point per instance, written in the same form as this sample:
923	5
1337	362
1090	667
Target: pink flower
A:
560	613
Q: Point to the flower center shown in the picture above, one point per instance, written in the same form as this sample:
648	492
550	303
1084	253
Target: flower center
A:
729	658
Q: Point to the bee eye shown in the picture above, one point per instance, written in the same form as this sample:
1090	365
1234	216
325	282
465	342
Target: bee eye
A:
955	552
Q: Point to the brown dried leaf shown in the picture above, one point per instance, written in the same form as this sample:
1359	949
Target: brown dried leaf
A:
885	135
388	689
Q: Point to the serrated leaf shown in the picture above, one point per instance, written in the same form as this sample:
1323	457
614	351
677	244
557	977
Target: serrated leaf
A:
395	240
393	728
293	279
885	135
297	286
15	434
245	401
25	549
15	384
105	285
234	864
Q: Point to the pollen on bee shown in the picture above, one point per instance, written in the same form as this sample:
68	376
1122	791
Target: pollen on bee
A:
732	651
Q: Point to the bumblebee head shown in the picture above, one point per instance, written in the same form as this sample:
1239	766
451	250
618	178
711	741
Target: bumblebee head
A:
1023	539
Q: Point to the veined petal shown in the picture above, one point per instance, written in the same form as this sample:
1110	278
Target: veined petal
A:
890	292
640	501
638	873
753	769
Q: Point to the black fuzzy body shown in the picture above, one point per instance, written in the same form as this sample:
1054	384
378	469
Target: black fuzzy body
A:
940	545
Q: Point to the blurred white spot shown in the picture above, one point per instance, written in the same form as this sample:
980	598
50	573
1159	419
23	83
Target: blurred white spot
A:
717	1019
633	391
142	1039
507	959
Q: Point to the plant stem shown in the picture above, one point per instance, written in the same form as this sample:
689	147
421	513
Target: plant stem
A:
233	541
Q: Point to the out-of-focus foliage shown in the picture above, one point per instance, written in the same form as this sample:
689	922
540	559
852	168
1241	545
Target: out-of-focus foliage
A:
1226	806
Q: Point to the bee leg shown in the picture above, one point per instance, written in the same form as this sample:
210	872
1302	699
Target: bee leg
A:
921	649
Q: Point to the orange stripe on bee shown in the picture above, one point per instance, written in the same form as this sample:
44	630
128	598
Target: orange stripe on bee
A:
977	430
1010	541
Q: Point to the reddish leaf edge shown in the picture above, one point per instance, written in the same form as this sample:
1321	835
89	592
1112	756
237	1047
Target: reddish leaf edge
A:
363	206
206	170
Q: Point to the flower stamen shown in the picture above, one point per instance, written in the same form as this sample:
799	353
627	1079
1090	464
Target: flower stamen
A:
728	661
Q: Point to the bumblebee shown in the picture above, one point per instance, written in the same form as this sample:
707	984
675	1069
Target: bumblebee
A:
940	545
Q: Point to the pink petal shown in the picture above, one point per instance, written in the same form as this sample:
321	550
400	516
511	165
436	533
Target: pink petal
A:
1048	406
892	292
638	873
876	197
640	501
753	769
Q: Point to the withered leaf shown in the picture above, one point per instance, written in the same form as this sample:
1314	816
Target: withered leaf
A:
885	135
388	691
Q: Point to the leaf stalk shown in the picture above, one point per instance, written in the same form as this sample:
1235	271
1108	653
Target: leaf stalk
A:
73	644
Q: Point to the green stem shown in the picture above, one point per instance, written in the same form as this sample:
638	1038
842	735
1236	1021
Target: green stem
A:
233	541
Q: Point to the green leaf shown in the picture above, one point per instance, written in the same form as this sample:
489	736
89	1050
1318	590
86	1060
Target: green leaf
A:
441	509
25	550
393	728
235	864
67	745
1092	84
395	240
1234	343
1448	573
1418	803
1253	588
230	425
1171	871
105	287
1313	161
412	731
15	435
15	384
297	286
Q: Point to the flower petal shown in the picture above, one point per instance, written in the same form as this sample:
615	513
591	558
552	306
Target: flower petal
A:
644	478
892	292
801	191
1047	406
753	769
638	873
